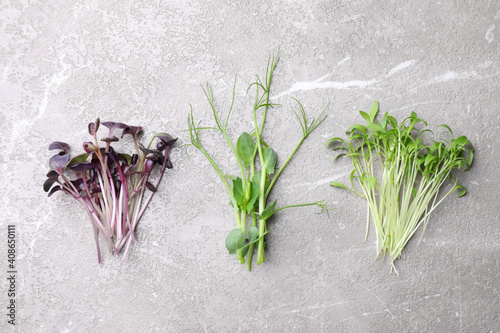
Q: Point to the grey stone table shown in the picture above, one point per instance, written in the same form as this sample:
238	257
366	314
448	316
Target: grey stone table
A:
64	63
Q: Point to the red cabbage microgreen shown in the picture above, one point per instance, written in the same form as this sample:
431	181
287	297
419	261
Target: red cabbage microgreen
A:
250	191
413	173
114	188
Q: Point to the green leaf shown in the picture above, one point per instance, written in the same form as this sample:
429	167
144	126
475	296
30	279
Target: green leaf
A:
238	193
270	158
334	140
373	111
245	147
352	176
392	121
448	128
256	179
253	233
338	156
254	194
461	141
384	121
366	116
376	128
360	128
254	238
235	241
242	252
370	182
462	191
268	211
337	184
77	159
470	157
428	159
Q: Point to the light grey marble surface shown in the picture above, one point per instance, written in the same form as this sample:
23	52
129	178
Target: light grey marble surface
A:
64	63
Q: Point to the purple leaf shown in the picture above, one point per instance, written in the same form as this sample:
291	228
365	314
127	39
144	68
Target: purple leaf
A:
49	182
134	159
59	145
84	166
112	155
54	190
94	127
78	184
112	125
169	164
58	162
151	187
111	139
132	130
166	140
52	173
146	150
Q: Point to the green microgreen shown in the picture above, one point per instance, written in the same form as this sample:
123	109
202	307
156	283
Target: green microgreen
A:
250	190
413	173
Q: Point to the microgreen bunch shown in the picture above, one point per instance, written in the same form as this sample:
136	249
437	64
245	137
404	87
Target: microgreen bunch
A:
249	192
113	187
413	173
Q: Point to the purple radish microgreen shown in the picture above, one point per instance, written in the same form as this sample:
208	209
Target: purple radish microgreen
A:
403	198
111	186
250	191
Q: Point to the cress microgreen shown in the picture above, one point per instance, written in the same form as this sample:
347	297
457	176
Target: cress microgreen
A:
111	186
250	191
403	198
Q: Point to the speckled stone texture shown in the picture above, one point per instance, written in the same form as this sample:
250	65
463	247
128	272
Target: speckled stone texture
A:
64	63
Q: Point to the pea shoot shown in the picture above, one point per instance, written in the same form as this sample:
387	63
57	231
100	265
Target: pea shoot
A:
413	174
250	190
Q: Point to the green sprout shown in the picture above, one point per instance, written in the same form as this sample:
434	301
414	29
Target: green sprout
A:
250	191
412	175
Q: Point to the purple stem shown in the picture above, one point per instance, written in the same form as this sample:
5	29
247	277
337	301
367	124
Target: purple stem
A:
98	223
126	249
123	240
87	188
162	171
113	198
124	187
